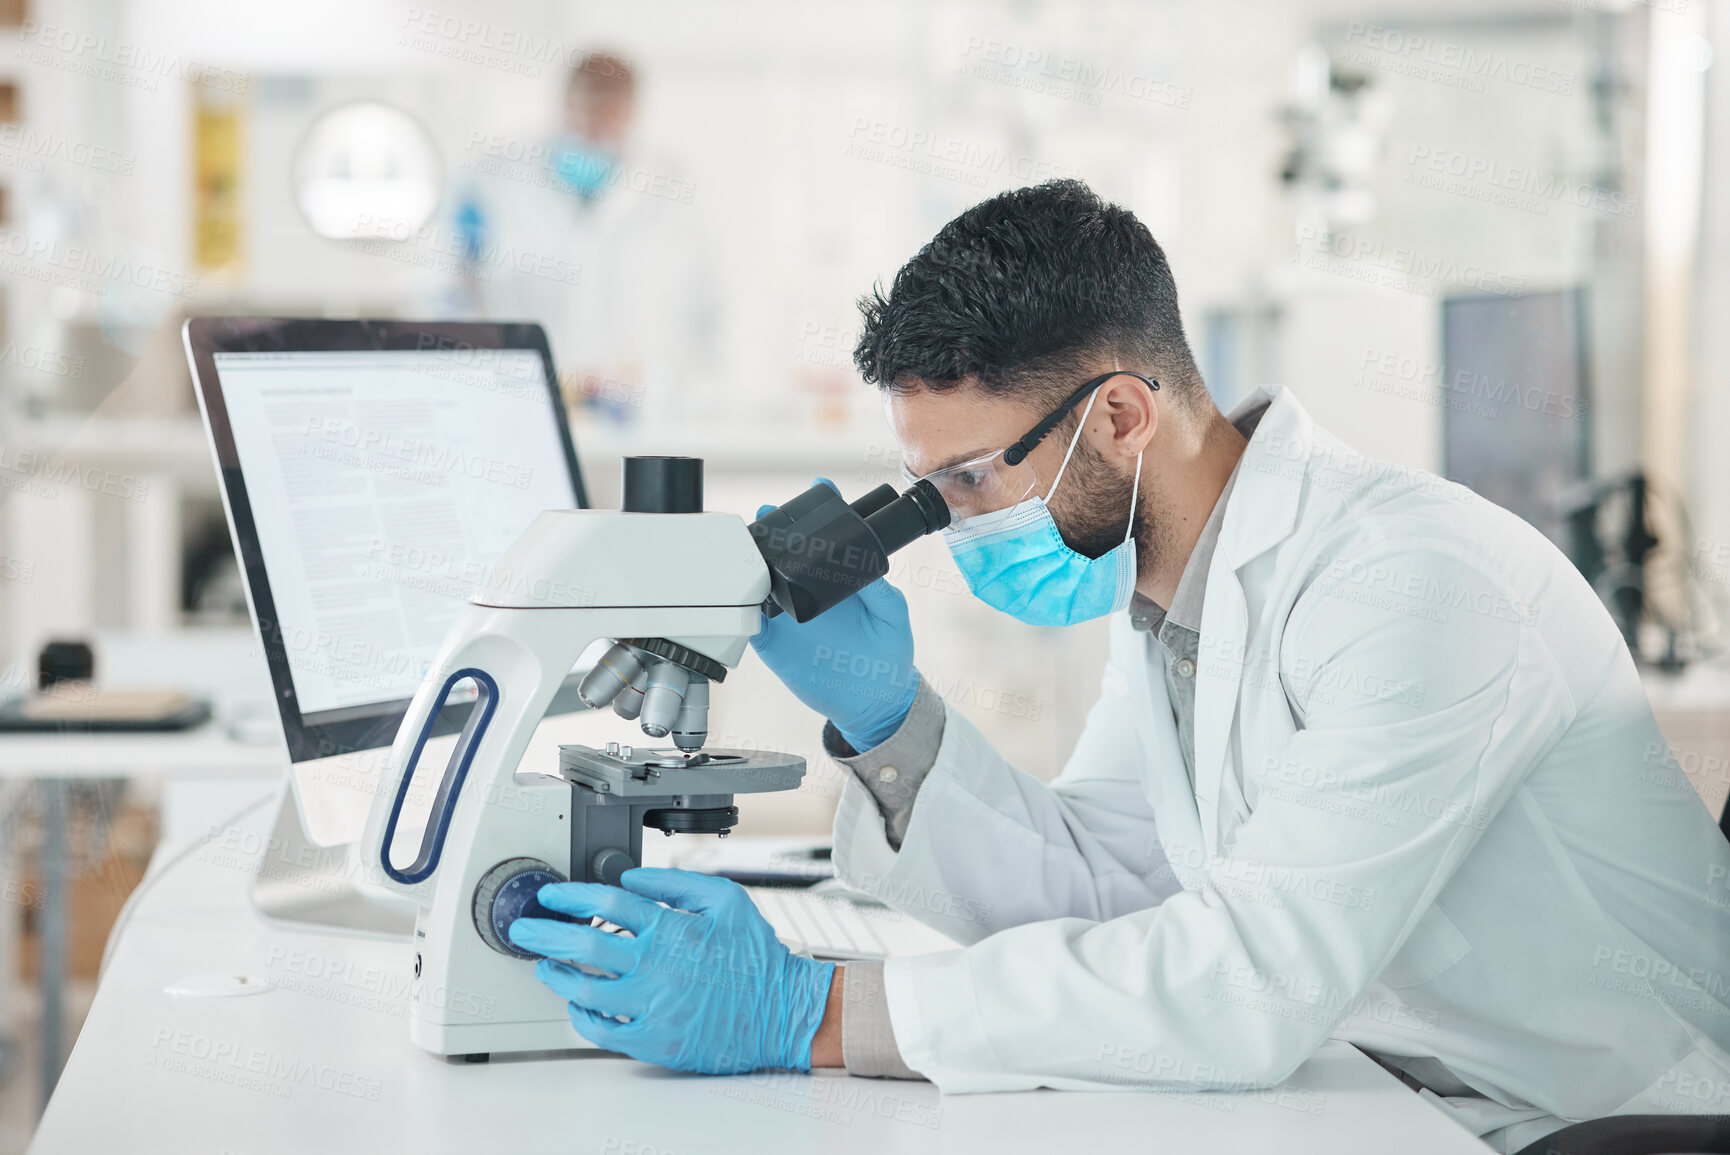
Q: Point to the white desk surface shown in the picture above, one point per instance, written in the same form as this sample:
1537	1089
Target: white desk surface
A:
336	1072
208	749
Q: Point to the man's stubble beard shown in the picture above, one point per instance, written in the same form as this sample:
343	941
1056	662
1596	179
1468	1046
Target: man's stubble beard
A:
1092	511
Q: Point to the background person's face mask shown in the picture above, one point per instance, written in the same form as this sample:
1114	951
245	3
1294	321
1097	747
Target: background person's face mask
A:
1015	560
583	167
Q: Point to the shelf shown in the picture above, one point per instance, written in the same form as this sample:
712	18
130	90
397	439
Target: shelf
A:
177	446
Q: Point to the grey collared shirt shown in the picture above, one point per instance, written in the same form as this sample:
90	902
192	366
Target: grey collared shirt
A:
1179	628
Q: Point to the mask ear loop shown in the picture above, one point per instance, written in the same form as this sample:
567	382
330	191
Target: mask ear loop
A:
1073	442
1134	491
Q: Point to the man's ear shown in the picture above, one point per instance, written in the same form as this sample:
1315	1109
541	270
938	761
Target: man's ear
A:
1133	412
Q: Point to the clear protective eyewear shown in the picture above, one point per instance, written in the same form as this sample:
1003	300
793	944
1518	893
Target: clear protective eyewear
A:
984	484
1002	478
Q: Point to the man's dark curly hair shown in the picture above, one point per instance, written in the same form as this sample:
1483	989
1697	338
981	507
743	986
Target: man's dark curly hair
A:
1020	292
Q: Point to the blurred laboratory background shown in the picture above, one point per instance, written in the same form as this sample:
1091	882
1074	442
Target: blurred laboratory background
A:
1486	238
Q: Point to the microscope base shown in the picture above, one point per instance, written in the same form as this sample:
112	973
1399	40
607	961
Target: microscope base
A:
453	1039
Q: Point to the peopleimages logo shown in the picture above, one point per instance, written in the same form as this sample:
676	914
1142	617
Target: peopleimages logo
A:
36	147
39	473
1403	267
119	61
1426	57
1513	186
85	269
436	459
522	52
943	155
254	1068
1051	73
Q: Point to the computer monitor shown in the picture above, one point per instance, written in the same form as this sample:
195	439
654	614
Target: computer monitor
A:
372	473
1516	401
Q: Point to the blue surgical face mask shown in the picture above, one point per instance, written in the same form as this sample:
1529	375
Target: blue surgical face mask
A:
1015	560
583	167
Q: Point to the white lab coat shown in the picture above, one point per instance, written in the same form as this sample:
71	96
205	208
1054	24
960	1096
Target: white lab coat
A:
1432	816
643	313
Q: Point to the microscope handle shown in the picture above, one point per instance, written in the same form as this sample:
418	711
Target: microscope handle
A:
450	785
517	659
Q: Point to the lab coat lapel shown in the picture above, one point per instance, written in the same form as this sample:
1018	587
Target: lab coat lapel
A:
1261	512
1167	785
1263	509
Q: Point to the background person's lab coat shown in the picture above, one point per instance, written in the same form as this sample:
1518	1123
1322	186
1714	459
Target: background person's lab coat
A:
1432	816
640	329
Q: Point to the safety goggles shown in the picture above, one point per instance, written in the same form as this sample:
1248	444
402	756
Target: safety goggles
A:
1002	478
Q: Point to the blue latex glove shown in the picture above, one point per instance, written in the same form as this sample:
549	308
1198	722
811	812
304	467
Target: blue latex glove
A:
706	985
852	664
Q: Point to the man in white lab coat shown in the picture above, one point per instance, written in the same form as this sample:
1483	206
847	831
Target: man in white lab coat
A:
1370	760
603	242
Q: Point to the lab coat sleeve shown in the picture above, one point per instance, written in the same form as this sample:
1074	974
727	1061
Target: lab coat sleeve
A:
1354	827
989	846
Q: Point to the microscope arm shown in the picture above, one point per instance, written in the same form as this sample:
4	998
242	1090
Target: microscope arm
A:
516	666
517	658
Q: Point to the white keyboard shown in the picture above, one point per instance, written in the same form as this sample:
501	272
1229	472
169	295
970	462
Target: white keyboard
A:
827	924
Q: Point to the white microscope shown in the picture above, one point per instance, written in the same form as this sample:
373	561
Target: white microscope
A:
678	592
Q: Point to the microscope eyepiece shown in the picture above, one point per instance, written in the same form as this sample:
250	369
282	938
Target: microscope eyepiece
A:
662	485
820	549
919	511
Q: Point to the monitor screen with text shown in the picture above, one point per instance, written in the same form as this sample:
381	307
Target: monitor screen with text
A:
384	486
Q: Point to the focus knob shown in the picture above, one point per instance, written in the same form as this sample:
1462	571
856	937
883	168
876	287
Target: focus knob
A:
609	864
508	892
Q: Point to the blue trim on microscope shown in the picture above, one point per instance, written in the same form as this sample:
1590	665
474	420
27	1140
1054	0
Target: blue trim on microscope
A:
456	771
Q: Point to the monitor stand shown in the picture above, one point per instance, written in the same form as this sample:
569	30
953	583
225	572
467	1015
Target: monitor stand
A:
303	886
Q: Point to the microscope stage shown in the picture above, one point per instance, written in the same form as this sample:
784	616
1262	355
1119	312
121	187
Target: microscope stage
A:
635	771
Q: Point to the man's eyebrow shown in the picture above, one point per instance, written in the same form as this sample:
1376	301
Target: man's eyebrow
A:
956	459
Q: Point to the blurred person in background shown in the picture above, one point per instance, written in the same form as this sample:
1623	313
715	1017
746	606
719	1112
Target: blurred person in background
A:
603	245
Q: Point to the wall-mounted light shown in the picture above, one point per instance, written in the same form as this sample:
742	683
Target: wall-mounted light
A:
367	170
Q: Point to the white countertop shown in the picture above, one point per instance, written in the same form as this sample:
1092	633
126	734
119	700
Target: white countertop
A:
323	1062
